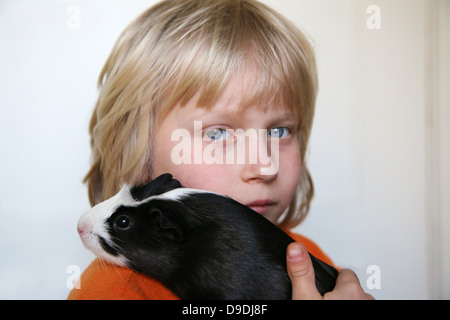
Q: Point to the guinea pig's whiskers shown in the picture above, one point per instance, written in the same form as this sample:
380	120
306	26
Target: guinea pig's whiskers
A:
117	241
103	263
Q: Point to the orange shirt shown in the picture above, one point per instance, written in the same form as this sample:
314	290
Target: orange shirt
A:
105	281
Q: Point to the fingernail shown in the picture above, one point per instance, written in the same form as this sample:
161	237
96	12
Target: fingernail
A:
295	253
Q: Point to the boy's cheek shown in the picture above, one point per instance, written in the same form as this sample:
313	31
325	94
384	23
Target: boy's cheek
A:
215	178
289	172
211	177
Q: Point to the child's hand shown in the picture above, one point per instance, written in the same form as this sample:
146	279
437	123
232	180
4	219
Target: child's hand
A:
301	273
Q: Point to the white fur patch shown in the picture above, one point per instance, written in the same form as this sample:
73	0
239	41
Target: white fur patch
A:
176	194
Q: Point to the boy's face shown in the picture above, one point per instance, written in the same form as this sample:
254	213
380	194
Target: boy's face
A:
204	149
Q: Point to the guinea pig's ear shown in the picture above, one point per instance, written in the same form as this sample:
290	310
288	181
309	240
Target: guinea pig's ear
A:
165	226
160	185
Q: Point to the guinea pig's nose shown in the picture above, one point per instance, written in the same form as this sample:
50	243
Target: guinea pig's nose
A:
82	228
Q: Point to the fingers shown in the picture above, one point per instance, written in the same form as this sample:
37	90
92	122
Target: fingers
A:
301	273
348	288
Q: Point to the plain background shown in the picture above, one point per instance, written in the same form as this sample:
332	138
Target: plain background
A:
379	152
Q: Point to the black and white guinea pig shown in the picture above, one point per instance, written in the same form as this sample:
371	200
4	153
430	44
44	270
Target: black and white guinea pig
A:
199	244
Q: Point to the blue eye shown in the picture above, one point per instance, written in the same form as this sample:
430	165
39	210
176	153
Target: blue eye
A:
278	132
215	134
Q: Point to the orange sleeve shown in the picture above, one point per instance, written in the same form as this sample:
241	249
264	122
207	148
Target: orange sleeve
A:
104	281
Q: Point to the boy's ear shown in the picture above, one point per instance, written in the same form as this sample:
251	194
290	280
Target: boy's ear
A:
166	226
160	185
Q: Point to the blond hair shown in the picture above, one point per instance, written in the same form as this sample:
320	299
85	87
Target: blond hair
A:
178	48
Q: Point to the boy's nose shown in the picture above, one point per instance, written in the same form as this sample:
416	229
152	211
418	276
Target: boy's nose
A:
266	166
258	173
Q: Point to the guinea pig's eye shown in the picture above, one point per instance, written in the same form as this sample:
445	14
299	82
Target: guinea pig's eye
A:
122	222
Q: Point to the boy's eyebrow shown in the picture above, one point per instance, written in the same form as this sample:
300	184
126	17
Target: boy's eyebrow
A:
282	116
205	113
287	116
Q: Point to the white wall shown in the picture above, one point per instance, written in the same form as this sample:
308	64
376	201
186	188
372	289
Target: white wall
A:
442	146
367	155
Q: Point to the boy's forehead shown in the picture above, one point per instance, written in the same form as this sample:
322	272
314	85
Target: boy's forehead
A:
233	100
236	100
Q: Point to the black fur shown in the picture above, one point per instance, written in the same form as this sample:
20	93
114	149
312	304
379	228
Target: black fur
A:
205	246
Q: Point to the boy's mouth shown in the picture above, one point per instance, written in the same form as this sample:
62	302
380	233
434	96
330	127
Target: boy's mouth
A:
261	206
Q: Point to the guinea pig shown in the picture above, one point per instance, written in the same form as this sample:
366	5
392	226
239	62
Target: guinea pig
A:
199	244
